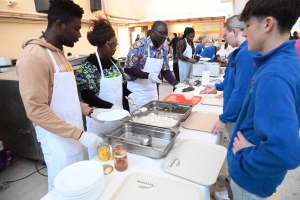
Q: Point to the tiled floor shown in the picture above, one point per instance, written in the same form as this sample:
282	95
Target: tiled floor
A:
35	186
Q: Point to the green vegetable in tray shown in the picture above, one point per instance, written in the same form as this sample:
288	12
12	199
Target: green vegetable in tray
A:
188	89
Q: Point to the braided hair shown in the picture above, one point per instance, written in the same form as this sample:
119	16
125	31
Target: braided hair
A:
187	31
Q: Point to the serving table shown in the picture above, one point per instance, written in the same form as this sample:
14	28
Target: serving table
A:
137	163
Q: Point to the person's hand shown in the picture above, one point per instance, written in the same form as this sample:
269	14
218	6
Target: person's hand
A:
191	61
116	107
219	96
97	111
154	78
90	140
207	89
132	100
179	85
240	142
218	127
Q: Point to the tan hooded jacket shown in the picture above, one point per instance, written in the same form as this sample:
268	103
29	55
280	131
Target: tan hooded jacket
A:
35	71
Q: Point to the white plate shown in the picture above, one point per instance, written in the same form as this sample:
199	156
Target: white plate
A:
205	59
78	176
112	115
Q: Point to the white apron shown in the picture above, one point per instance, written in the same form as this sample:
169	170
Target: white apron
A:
184	66
143	89
60	152
111	90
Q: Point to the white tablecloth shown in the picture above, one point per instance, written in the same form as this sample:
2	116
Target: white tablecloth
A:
137	163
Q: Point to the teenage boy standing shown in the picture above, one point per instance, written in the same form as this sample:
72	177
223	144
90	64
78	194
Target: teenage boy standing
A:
266	137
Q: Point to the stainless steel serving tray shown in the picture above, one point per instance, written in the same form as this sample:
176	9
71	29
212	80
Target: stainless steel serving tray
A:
174	116
174	109
162	139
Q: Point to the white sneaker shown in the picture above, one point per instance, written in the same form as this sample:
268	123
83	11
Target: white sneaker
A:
222	195
223	178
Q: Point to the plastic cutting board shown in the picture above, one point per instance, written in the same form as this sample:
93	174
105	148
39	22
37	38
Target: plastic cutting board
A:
210	99
179	98
200	121
137	186
196	161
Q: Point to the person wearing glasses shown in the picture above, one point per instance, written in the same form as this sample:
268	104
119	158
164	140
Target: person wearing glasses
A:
237	78
100	79
146	59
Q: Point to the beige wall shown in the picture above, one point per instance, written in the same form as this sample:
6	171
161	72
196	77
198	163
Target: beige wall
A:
13	32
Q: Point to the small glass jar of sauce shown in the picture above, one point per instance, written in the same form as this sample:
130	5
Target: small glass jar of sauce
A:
121	162
115	148
103	152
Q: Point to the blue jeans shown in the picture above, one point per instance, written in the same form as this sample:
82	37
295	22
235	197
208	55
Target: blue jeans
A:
241	194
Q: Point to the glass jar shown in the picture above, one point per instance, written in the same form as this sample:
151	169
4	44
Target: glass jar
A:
115	148
121	162
103	152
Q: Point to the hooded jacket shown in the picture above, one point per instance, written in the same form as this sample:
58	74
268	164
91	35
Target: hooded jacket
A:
35	71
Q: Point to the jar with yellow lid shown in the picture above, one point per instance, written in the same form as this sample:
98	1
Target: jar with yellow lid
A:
121	162
103	152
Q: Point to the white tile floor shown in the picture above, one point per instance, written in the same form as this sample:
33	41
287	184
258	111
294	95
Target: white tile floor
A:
35	186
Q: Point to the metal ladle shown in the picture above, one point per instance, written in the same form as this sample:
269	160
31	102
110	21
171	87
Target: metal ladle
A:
145	140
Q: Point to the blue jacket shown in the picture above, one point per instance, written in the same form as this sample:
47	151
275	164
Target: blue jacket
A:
199	49
210	52
237	78
270	120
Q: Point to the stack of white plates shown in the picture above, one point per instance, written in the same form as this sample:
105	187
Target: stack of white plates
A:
82	180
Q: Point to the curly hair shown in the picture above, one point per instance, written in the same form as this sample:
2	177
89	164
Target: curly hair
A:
101	32
63	10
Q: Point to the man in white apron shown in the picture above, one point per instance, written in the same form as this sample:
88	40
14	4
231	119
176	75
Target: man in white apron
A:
49	93
146	59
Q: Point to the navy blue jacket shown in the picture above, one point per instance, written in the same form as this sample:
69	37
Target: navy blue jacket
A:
237	78
269	119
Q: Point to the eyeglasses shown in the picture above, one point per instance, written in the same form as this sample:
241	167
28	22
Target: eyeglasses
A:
163	34
225	36
111	45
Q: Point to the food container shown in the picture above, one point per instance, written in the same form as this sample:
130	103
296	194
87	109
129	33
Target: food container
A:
5	62
103	152
169	108
121	162
162	139
188	95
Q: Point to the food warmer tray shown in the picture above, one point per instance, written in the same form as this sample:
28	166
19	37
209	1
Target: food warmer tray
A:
138	114
162	138
171	108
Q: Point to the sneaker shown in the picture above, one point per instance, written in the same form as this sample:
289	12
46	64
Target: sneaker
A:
223	178
222	195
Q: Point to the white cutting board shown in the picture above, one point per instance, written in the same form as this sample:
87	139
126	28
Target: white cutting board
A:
210	99
137	186
196	161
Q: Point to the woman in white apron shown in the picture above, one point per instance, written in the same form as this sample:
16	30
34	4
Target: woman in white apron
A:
185	51
100	78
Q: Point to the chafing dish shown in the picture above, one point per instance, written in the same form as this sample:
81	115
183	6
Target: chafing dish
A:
170	109
162	139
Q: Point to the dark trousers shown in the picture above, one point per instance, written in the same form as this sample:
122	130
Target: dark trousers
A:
176	71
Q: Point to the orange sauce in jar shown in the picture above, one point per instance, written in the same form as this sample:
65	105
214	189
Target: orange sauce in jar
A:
121	162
